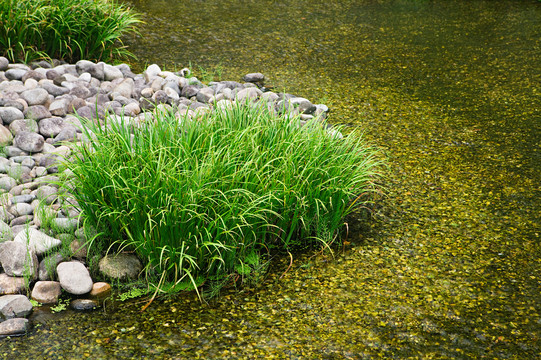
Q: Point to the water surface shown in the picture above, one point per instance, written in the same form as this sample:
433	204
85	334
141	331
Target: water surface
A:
449	264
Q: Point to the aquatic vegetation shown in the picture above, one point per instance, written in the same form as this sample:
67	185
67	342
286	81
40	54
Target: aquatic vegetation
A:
203	199
70	30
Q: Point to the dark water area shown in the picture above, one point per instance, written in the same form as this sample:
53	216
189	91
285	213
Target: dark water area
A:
448	265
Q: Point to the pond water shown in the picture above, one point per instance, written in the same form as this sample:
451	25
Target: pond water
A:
449	264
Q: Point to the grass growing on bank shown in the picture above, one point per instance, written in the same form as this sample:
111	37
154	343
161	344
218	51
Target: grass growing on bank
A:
199	200
64	29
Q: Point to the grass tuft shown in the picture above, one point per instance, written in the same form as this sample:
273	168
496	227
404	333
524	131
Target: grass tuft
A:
202	199
70	30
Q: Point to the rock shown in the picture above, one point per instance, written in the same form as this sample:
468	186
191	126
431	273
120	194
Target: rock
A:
100	290
11	284
95	70
3	63
17	260
21	209
29	141
34	75
37	112
65	224
7	183
125	88
254	77
10	114
14	327
205	94
28	125
5	136
120	266
46	292
15	74
160	97
189	91
36	96
111	73
248	94
91	112
151	72
14	306
37	241
78	249
51	127
83	304
47	193
53	89
60	107
47	266
5	232
74	277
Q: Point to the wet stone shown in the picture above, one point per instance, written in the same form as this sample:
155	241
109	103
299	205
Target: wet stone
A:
83	304
14	306
14	327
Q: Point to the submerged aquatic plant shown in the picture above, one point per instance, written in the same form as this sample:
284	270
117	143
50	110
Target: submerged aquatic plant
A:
64	29
201	199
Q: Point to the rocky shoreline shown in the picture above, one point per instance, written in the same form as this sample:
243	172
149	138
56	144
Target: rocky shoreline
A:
42	241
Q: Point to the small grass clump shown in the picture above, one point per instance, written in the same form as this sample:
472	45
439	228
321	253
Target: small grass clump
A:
202	199
70	30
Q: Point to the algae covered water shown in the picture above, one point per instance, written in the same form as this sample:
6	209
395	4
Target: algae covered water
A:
449	264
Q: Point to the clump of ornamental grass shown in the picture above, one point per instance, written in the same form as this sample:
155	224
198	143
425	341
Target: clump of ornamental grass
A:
202	199
70	30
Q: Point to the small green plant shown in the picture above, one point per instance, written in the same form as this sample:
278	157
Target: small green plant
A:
64	29
35	303
133	293
61	306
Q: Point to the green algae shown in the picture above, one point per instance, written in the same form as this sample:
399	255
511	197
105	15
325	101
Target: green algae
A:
448	265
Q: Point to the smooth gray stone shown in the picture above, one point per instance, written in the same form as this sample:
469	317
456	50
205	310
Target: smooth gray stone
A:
21	209
36	96
53	89
14	327
37	112
111	73
151	72
7	183
33	74
68	133
83	304
74	277
21	125
26	198
11	284
11	151
10	114
4	62
28	141
6	137
37	241
17	260
15	74
254	77
6	234
51	127
21	220
14	306
47	266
